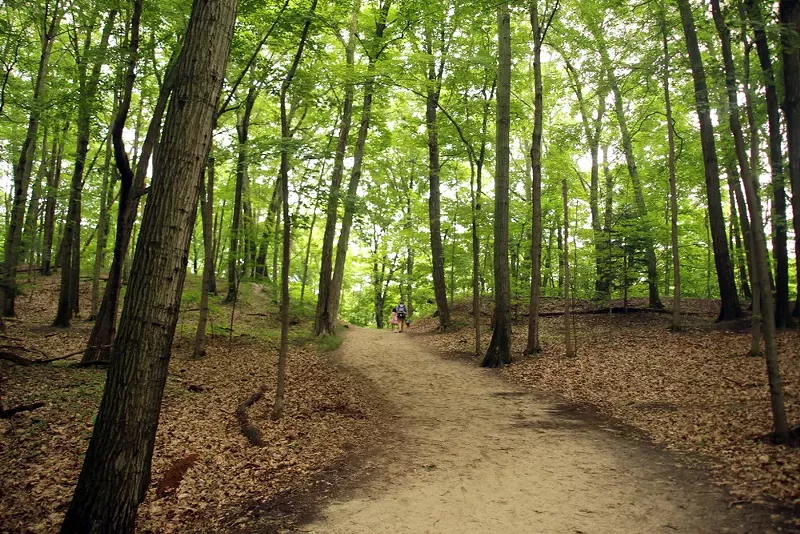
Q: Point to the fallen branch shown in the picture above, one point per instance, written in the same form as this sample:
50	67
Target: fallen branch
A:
250	431
6	354
6	414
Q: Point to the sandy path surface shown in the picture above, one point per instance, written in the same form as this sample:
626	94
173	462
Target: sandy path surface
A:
472	453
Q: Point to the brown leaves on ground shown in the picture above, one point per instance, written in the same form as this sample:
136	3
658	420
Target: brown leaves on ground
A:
696	390
231	486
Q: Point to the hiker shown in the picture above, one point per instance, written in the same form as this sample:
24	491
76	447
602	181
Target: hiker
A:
394	319
401	312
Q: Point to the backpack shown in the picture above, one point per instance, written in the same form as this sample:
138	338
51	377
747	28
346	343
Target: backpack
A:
401	309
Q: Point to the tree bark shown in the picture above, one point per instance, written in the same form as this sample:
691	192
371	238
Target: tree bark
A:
116	470
730	308
499	352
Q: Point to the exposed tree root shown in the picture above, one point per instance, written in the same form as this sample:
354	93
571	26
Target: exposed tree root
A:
7	354
250	431
6	414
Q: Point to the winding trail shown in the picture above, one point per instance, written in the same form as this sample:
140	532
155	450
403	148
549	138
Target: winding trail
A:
472	453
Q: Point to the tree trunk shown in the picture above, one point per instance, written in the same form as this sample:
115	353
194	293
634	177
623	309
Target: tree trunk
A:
730	308
499	352
334	295
323	320
569	342
116	470
242	131
673	183
99	347
783	316
536	185
789	13
100	252
207	214
32	215
53	181
277	407
434	74
70	245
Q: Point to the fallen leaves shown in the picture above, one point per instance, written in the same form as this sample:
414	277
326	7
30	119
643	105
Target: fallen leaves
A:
229	485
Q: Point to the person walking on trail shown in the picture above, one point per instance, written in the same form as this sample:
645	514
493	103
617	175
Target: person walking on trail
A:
401	312
394	319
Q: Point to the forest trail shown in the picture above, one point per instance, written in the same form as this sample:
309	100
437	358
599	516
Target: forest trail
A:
472	453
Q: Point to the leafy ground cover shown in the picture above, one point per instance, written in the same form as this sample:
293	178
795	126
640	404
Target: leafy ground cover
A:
695	391
228	485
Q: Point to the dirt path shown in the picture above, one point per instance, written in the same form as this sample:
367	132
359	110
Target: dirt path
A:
474	454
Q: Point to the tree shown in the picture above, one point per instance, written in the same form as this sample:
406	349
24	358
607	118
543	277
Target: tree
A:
499	352
323	320
729	307
435	72
539	29
50	22
88	82
116	470
673	182
779	222
789	13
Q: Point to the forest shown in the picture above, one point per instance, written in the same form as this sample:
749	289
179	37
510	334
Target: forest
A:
244	184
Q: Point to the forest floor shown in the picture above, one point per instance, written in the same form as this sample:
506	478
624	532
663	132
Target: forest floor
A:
695	391
230	485
394	433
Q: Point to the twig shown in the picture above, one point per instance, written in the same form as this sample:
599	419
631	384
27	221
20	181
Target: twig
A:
736	503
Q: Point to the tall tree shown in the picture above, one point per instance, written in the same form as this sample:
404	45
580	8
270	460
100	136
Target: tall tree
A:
789	13
88	82
673	182
374	49
131	189
729	307
499	352
783	316
630	159
539	27
206	214
116	470
323	322
435	72
51	19
277	407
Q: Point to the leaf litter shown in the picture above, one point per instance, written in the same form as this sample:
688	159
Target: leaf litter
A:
216	480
